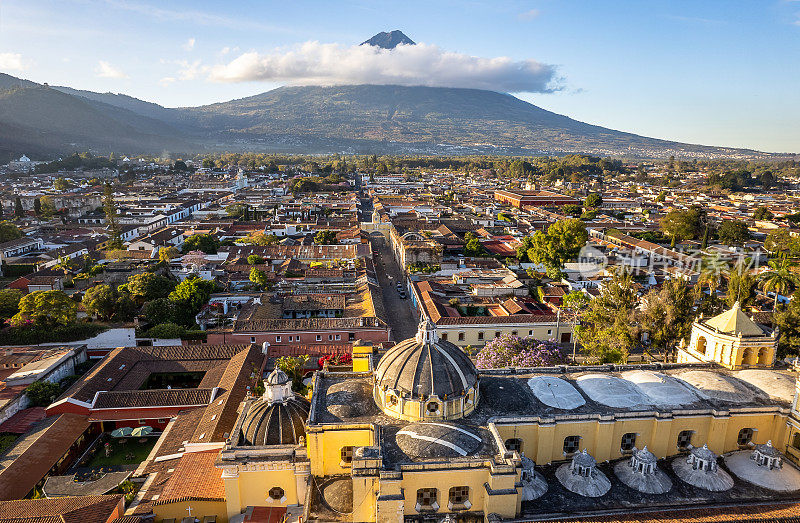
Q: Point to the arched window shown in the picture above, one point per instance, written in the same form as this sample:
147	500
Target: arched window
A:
745	436
628	442
458	498
514	444
701	345
426	500
572	444
433	407
685	439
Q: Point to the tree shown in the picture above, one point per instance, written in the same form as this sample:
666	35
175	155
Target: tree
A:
161	310
780	279
9	231
42	393
100	301
762	213
37	206
593	201
201	242
685	225
788	322
608	327
258	277
254	259
572	210
779	240
259	238
18	211
180	165
167	330
237	210
294	367
192	293
148	286
110	208
208	163
47	308
325	237
574	306
667	314
561	243
733	232
9	302
741	286
61	184
514	351
167	254
473	246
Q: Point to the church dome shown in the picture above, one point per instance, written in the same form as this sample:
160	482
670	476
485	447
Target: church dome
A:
275	423
276	377
436	376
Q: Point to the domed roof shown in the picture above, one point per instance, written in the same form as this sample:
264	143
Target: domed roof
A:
704	453
438	440
277	377
275	423
644	455
424	365
584	459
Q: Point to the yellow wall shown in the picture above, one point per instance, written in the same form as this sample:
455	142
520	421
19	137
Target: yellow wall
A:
471	337
251	488
544	444
199	509
325	447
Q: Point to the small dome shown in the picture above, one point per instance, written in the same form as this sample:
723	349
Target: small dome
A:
644	455
768	450
277	377
268	423
584	459
703	453
424	366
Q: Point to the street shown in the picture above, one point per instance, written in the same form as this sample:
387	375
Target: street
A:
401	315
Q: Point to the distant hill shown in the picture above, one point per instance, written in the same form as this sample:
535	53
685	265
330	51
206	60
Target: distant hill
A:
425	119
42	120
389	40
37	119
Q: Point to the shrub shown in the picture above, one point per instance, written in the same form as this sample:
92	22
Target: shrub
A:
516	351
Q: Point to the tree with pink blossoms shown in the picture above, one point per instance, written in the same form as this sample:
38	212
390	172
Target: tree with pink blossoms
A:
515	351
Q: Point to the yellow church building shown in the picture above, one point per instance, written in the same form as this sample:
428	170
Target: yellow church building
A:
422	435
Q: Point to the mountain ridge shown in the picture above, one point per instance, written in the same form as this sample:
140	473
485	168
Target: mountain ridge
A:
346	118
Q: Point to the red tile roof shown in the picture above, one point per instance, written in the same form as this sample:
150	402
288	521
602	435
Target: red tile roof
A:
195	478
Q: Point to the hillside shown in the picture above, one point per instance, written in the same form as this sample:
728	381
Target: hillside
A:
47	120
424	117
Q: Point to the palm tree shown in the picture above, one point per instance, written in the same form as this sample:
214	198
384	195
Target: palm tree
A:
781	278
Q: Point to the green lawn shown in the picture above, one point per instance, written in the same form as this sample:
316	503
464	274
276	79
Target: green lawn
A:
131	452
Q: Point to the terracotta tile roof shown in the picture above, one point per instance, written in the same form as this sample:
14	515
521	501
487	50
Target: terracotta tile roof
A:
151	398
34	454
195	478
73	509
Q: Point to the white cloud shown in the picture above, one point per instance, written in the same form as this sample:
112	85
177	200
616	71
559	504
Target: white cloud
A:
106	70
167	80
313	63
189	45
11	61
529	15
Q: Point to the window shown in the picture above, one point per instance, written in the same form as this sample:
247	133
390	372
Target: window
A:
514	444
142	422
513	333
480	335
391	400
444	336
433	407
497	334
276	493
319	337
351	336
685	439
347	454
549	332
460	336
426	499
277	339
745	437
628	442
572	444
796	440
458	497
338	337
330	337
252	339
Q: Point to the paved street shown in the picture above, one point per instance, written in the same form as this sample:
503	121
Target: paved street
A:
399	312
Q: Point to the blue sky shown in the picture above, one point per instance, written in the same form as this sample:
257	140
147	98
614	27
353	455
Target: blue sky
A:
717	72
